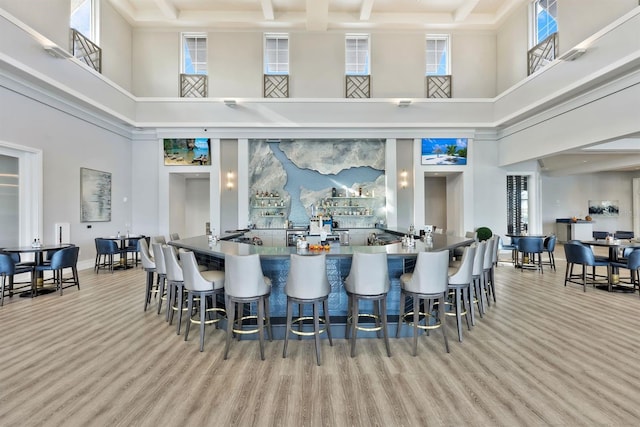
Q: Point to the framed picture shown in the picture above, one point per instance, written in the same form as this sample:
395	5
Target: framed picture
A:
604	207
444	151
95	195
187	151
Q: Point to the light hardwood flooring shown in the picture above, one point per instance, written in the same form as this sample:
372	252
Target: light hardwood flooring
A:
545	354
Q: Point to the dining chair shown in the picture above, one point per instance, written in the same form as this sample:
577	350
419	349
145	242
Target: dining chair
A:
66	258
578	254
530	249
8	269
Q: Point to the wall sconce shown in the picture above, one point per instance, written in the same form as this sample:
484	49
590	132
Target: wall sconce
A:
57	52
573	54
229	180
403	179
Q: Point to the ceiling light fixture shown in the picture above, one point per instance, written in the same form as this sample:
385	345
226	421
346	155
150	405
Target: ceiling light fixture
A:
230	102
572	54
404	103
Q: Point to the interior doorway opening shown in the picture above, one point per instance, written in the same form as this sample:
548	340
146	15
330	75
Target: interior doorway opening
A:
443	199
190	205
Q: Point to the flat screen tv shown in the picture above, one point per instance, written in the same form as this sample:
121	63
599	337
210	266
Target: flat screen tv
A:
187	151
444	151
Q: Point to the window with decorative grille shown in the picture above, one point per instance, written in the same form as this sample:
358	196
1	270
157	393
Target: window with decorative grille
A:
357	58
437	55
544	19
276	54
84	18
517	204
194	53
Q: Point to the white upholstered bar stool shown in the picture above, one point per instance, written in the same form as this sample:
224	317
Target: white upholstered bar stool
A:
428	283
245	284
460	285
490	263
148	265
161	272
307	283
368	279
478	275
206	285
175	285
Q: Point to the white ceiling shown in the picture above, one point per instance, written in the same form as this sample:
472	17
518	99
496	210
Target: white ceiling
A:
317	15
364	15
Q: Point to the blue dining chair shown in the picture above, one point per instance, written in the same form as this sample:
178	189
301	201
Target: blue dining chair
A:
61	260
532	247
105	250
582	255
9	268
632	263
549	246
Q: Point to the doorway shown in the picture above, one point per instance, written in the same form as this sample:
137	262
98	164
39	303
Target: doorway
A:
435	202
190	207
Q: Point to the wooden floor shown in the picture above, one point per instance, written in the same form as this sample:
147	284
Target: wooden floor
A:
543	355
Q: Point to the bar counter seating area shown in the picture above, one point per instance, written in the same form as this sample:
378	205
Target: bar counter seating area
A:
508	357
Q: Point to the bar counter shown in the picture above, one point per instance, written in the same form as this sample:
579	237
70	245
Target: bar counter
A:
275	265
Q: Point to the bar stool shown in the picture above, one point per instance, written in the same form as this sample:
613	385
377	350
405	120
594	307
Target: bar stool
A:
427	283
206	285
477	275
161	272
368	279
245	283
488	288
148	265
460	285
307	283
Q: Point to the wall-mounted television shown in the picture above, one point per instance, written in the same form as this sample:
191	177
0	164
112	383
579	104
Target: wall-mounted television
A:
444	151
187	151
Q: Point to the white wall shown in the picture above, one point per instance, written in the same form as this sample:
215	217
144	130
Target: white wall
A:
156	63
511	49
235	64
177	206
397	65
68	144
317	71
578	19
473	65
196	208
51	20
435	202
568	196
115	41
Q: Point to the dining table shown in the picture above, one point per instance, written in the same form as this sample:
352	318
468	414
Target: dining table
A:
614	246
514	241
38	251
122	240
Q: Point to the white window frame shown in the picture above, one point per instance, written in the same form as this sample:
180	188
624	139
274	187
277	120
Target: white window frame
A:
276	36
357	36
447	39
183	37
533	21
94	23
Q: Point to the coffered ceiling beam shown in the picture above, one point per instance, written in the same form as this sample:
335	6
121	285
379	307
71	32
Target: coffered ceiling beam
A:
167	8
267	9
365	9
464	10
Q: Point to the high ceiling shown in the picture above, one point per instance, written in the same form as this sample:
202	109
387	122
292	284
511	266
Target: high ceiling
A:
317	15
367	15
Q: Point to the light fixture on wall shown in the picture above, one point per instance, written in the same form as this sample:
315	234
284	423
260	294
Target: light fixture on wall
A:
403	103
572	54
230	102
57	52
230	180
404	183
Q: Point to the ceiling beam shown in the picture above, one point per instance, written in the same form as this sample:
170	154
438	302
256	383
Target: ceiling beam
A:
365	9
465	9
167	8
317	15
267	9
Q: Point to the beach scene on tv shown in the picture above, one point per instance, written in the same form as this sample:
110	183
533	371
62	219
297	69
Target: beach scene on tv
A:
444	151
186	151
